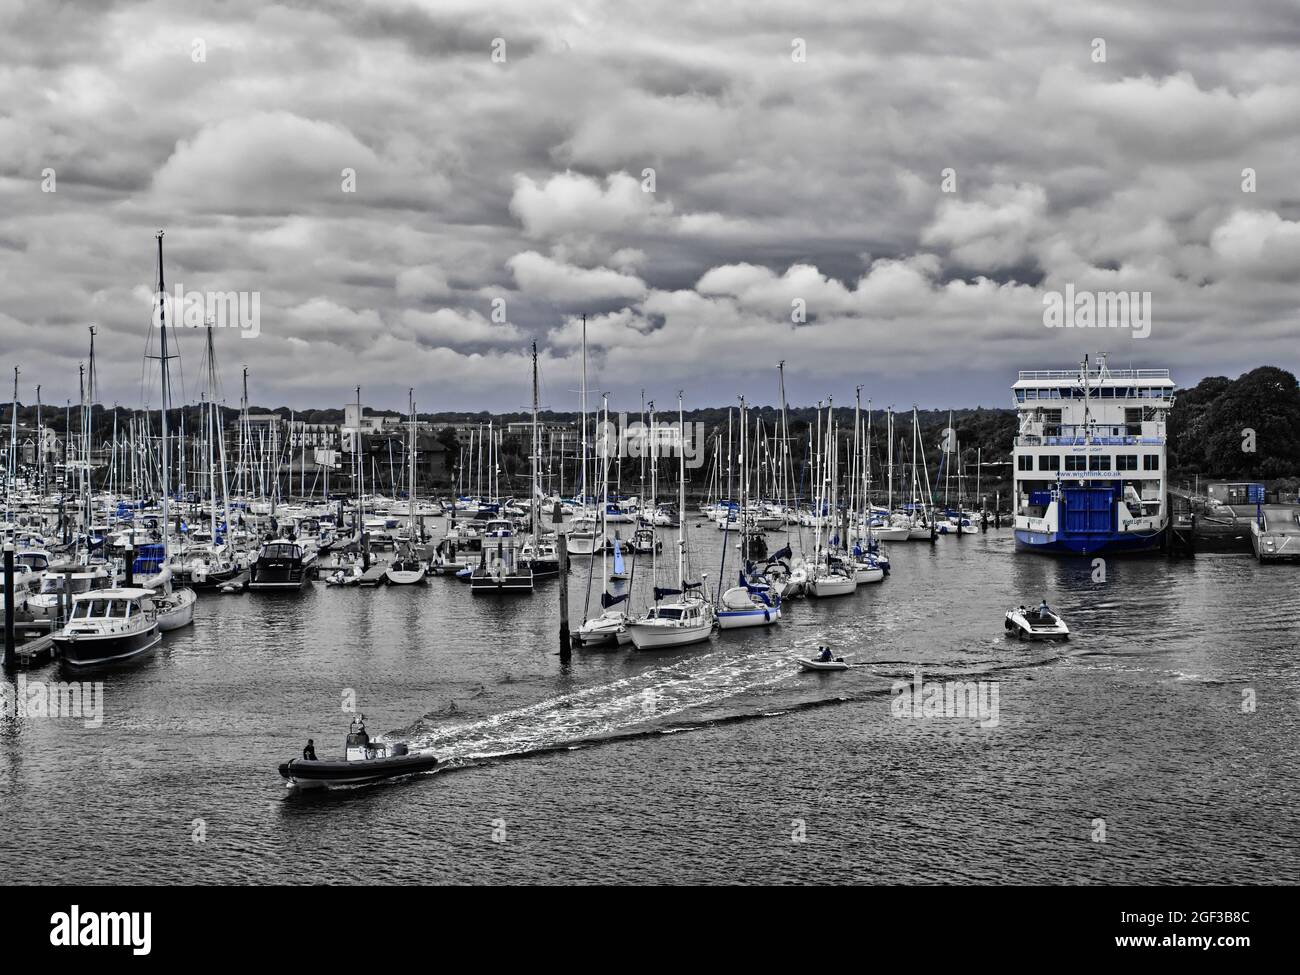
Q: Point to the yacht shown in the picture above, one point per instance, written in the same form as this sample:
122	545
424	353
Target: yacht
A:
282	564
109	626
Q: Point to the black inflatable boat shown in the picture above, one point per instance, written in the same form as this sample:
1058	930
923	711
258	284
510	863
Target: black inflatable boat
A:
365	761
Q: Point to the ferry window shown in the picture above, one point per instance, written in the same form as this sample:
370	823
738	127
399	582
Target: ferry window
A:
1031	394
1076	463
1049	462
1151	462
1126	462
1025	463
1099	462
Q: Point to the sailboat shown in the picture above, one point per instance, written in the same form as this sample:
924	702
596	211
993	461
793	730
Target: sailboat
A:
540	552
502	567
751	602
830	575
610	625
690	618
406	569
174	606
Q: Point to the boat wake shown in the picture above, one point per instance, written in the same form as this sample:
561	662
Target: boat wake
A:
649	702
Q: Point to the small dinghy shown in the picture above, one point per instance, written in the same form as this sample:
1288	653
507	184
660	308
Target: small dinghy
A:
823	661
1036	624
364	761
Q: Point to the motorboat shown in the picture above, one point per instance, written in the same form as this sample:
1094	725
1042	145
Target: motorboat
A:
646	542
109	626
1275	533
823	661
282	564
1036	624
68	580
364	761
504	571
348	574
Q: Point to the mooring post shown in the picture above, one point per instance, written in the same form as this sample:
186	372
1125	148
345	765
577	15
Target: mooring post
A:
365	552
9	604
562	551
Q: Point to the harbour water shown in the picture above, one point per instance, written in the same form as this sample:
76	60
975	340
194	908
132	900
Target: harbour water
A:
1159	745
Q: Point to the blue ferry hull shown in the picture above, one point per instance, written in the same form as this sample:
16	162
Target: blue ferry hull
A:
1062	543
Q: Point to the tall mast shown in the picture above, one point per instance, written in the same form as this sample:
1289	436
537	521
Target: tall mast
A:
537	446
604	482
583	497
681	496
12	472
410	462
166	393
40	442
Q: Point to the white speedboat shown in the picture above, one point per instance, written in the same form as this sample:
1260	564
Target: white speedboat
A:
820	663
1036	624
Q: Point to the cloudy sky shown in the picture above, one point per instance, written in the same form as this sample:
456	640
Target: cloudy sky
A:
500	152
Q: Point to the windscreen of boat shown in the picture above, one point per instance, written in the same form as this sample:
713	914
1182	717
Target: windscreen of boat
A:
101	609
71	584
281	551
665	613
37	562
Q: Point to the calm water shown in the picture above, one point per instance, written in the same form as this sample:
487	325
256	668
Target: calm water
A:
696	765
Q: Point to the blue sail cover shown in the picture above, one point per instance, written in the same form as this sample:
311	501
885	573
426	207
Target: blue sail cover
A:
606	600
784	553
762	591
661	593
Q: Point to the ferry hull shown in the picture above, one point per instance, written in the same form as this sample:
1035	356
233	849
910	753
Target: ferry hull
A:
1063	543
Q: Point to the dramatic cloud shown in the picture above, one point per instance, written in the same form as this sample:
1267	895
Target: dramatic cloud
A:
417	190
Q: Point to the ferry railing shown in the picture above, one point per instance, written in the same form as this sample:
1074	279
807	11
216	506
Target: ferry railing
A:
1094	374
1030	441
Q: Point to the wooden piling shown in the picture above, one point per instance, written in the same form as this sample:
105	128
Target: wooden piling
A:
562	551
9	605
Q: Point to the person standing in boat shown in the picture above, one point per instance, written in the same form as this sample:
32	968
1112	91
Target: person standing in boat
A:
1043	611
309	753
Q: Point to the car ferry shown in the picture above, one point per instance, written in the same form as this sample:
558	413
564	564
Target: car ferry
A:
1090	470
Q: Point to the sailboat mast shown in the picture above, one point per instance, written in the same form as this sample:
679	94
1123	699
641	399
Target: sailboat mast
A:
537	446
12	471
410	463
162	339
582	500
681	495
